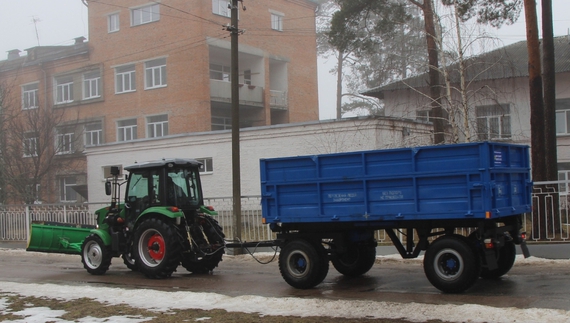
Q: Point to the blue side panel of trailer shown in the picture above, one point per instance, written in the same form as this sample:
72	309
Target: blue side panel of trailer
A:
471	180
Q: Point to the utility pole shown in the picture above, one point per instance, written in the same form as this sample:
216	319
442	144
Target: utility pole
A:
549	87
236	167
537	137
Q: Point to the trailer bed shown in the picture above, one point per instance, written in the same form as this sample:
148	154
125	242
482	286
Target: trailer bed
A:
453	182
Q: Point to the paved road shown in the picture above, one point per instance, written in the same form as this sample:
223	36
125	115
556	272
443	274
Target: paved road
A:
530	284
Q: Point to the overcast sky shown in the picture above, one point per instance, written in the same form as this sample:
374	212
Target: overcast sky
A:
58	22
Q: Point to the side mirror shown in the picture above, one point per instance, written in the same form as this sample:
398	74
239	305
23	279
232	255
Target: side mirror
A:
108	188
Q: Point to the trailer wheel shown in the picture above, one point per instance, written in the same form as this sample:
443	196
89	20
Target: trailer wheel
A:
324	261
358	260
505	258
451	265
95	256
302	264
505	261
157	248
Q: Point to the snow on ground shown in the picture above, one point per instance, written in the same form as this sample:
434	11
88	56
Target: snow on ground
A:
289	306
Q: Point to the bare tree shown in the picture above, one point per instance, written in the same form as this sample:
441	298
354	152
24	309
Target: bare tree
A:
35	146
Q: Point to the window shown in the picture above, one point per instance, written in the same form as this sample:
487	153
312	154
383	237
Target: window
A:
493	122
155	73
127	130
221	123
91	85
64	142
125	79
30	144
64	89
30	96
277	21
144	15
564	178
247	77
93	134
207	165
107	171
220	72
424	115
66	191
563	117
113	22
157	126
221	7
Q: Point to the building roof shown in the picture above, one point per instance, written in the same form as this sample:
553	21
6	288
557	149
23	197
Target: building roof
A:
41	54
506	62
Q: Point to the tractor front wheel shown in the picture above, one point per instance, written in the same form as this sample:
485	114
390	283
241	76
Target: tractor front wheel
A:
95	256
157	248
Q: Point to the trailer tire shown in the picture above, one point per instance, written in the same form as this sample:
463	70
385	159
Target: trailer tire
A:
356	261
505	261
303	264
157	248
451	264
323	255
95	256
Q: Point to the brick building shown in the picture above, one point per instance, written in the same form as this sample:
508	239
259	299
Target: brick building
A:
156	69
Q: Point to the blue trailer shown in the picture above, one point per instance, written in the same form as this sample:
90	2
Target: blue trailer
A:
328	207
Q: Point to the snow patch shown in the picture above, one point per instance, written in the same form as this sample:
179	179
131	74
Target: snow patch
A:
167	301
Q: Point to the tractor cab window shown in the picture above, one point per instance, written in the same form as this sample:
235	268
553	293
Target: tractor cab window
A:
142	191
138	186
182	188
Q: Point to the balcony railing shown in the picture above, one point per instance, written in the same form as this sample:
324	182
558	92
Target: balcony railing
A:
248	94
279	99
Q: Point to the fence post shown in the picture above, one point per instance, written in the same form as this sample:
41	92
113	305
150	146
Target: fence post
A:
28	225
65	213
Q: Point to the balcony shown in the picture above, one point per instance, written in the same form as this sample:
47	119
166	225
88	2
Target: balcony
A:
251	95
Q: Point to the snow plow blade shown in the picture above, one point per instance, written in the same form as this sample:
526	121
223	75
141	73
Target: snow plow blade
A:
55	237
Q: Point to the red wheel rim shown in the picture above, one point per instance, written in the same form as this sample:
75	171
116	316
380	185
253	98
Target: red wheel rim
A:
156	247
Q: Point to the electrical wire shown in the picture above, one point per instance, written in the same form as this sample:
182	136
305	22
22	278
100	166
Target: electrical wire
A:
251	253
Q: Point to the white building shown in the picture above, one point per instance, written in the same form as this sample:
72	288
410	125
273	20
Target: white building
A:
498	98
215	150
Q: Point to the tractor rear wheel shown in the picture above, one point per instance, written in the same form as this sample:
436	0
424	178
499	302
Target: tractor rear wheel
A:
205	254
156	248
95	256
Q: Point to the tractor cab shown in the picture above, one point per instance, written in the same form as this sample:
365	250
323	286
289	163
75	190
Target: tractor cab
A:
167	182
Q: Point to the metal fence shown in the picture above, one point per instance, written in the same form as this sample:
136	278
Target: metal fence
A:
15	219
543	224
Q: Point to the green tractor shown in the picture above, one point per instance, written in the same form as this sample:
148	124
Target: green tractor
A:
161	224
